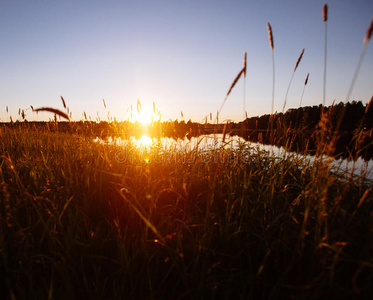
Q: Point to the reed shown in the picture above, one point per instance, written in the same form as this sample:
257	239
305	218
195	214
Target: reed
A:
291	79
366	40
231	87
63	102
304	87
244	85
54	111
271	44
325	19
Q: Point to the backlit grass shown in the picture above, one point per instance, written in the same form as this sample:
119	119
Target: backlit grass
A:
79	219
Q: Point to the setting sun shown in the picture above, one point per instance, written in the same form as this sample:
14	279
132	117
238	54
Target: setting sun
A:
144	117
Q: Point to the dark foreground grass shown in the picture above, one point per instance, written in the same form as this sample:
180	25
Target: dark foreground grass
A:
85	220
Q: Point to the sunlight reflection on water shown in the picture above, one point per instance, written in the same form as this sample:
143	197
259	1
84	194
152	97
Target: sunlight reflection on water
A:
215	141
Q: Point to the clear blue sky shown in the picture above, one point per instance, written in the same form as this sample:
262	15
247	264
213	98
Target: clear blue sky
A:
183	55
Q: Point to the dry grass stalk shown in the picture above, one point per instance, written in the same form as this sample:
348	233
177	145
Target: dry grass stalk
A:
270	35
235	81
325	19
63	102
304	87
225	131
218	163
54	111
325	12
367	108
306	81
182	114
243	71
244	65
299	59
138	106
103	100
368	35
142	214
244	76
7	110
153	107
291	79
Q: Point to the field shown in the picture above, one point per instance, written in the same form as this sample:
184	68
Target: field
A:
80	220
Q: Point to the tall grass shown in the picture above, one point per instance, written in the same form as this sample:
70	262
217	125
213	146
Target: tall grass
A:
81	219
304	87
234	82
291	79
271	44
325	19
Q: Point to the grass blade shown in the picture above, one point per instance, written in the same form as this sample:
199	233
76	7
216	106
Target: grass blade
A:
54	111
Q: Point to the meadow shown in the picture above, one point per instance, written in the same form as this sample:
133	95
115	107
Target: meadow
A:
80	219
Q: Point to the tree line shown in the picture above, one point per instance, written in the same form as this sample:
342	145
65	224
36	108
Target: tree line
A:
343	129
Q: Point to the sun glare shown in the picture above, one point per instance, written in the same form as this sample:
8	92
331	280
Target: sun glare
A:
144	141
144	117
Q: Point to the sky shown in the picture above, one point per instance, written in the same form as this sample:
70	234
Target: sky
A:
181	55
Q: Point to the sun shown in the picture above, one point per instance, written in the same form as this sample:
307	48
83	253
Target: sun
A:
144	117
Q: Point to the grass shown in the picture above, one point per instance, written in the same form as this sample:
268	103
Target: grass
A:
80	221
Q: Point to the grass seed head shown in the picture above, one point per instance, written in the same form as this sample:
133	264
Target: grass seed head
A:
63	102
235	81
299	59
244	65
368	35
306	81
138	106
270	35
325	12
